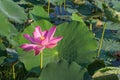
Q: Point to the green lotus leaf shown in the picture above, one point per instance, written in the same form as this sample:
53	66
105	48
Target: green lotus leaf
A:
62	71
110	45
113	26
77	42
38	13
14	12
107	73
77	18
6	28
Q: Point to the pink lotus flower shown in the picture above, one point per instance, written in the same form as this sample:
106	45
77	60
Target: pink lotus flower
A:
41	40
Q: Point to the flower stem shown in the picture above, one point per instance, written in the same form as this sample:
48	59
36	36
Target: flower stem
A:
61	9
91	26
41	60
48	7
13	71
101	40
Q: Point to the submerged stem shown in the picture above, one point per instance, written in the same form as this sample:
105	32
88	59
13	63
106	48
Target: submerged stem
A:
101	40
41	60
48	7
